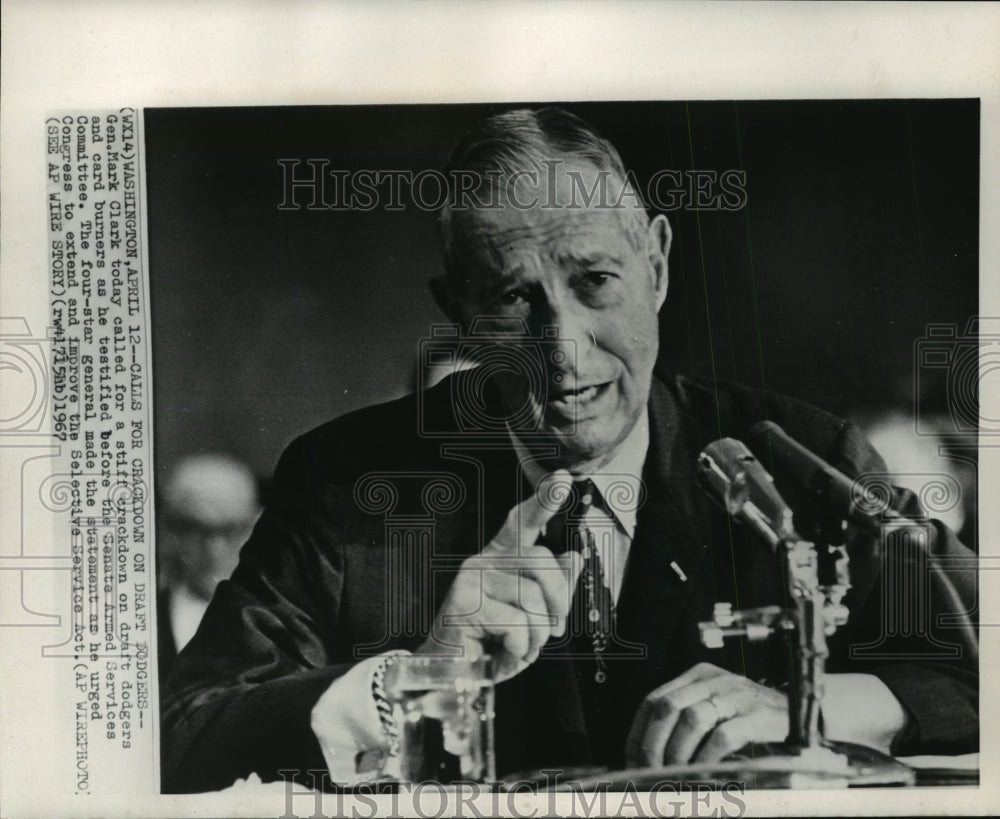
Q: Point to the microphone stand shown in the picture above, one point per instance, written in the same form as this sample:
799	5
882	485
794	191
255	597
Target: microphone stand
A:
817	578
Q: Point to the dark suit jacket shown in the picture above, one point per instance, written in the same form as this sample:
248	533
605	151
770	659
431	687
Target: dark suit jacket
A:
372	514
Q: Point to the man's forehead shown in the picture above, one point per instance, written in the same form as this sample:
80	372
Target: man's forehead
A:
510	237
554	230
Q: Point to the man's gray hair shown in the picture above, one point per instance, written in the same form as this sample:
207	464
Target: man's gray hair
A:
526	140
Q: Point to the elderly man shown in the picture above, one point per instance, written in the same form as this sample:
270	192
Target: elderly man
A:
550	258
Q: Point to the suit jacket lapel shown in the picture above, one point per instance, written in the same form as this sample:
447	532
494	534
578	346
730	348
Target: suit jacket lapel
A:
669	561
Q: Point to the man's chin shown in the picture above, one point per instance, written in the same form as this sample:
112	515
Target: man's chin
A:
580	446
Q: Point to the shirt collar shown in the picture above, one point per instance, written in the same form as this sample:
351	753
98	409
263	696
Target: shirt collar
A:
625	467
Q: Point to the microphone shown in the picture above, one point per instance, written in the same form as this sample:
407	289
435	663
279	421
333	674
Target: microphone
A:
831	487
838	493
734	478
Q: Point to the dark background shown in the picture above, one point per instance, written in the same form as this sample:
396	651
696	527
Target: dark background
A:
861	228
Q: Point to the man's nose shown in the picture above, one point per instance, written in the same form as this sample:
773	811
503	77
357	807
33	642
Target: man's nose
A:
573	335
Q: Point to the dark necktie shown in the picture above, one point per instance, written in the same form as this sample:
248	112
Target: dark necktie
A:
592	613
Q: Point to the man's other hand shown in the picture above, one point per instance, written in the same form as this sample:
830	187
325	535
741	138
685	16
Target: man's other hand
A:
508	600
702	715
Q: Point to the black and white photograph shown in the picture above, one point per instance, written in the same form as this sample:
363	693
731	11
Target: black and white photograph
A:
498	409
500	390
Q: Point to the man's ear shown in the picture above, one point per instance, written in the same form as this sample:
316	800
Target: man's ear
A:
444	297
658	239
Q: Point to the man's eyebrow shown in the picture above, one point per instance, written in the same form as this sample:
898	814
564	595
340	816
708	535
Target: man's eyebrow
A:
590	257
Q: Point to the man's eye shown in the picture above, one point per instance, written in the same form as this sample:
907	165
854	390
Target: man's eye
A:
511	298
597	278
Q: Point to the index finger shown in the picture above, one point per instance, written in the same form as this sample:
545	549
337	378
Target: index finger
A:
525	521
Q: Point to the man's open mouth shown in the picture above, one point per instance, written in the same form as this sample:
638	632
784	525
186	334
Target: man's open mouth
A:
574	399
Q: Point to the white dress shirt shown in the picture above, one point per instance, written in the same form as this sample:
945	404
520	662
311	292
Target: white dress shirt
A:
186	610
620	485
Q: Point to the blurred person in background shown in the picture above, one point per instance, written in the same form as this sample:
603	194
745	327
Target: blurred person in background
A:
927	452
917	465
207	508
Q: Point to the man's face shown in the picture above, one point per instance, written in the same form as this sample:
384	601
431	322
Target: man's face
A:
580	271
209	549
210	506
